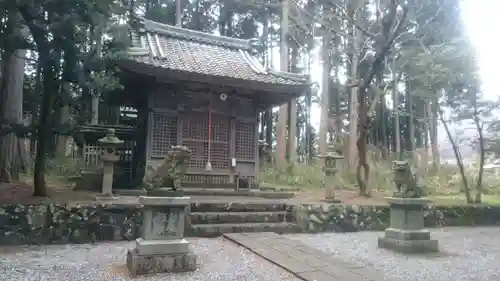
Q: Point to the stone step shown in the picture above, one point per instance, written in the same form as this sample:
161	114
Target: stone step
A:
245	206
236	217
269	194
214	230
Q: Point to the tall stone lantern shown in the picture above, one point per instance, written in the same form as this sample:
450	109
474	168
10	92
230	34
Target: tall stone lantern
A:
330	168
109	155
263	152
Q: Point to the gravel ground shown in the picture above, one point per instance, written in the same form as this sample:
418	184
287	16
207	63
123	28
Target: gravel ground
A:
467	254
218	259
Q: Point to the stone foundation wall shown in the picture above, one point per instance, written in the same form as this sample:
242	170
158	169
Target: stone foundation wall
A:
341	218
54	223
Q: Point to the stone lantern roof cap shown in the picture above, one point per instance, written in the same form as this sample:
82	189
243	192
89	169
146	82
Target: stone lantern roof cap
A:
110	138
332	154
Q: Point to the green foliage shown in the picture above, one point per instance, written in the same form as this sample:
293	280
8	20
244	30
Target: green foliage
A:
446	182
298	175
63	168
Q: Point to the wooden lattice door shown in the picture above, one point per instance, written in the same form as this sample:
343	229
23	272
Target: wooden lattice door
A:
195	135
163	133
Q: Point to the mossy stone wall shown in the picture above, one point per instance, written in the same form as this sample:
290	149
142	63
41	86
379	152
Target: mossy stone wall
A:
348	218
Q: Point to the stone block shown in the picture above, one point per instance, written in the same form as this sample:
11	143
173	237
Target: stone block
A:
163	263
407	201
163	223
407	213
400	234
165	192
164	217
406	233
158	247
164	201
408	246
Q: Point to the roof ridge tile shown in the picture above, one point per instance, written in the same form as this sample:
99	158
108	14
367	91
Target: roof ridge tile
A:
193	35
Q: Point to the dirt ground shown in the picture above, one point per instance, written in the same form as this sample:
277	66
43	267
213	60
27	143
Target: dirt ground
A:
21	192
348	197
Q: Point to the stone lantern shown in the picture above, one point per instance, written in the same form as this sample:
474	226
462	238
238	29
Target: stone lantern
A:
330	169
263	152
109	155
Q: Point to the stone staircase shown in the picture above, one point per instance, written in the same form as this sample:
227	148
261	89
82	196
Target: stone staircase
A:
212	219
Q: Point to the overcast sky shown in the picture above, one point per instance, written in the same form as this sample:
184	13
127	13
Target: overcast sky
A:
482	23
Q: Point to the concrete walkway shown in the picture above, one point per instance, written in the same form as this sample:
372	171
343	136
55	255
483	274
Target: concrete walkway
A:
306	263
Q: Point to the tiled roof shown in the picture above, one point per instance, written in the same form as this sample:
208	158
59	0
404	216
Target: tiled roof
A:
191	51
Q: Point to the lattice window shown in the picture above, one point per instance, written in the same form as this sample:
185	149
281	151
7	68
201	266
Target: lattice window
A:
220	128
200	179
198	153
219	155
163	134
195	126
91	156
245	140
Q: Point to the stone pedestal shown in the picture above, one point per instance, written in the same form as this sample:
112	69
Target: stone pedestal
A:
406	233
330	191
162	247
107	182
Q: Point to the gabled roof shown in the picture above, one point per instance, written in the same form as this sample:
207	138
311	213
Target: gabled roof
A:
188	51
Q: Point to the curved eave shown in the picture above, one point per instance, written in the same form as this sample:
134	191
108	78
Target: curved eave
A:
267	94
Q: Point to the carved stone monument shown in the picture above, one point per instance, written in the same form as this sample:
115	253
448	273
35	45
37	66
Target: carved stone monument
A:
406	233
109	144
330	169
162	247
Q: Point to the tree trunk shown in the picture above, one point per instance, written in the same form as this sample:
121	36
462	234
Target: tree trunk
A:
425	114
178	13
12	102
433	131
362	169
411	124
395	99
35	110
268	115
353	109
325	92
309	137
458	158
96	94
281	130
44	129
482	154
292	117
62	139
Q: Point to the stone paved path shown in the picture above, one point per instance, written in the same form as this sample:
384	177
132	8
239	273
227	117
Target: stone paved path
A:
307	263
467	254
218	260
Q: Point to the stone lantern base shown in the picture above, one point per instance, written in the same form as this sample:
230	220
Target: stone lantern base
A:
406	233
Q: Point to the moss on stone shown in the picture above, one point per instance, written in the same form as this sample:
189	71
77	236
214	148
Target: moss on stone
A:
342	218
55	223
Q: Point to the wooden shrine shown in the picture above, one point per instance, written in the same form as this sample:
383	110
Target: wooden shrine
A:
202	91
